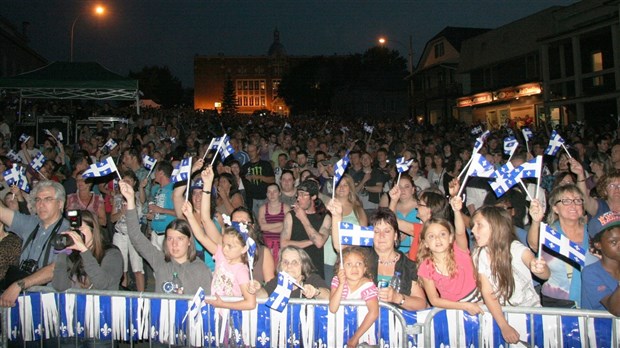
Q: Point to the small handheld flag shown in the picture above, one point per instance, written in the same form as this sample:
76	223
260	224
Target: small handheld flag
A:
527	134
24	138
13	156
560	244
280	296
198	302
38	161
368	128
339	168
100	169
110	144
149	162
555	142
402	165
182	171
351	234
510	145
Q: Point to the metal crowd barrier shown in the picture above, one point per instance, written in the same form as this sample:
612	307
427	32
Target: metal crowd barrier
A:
148	319
109	317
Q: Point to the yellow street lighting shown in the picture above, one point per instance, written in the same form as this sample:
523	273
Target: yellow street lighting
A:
98	10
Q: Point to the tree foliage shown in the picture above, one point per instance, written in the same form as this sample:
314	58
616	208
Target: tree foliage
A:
229	98
309	87
159	84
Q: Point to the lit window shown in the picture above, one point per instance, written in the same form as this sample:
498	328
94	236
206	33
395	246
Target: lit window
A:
597	65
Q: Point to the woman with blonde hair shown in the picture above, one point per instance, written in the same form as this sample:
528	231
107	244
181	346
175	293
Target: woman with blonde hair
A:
352	212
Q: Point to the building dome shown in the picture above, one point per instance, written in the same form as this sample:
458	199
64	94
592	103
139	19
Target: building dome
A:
276	48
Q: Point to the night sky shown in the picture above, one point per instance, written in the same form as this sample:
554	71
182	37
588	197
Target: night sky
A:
136	33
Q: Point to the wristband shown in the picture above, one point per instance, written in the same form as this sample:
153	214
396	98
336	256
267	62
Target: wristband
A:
206	191
402	301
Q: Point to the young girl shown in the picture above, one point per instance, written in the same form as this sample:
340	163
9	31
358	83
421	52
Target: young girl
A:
232	274
446	271
504	266
353	282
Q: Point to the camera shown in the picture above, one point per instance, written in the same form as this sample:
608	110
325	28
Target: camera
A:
75	219
29	266
62	241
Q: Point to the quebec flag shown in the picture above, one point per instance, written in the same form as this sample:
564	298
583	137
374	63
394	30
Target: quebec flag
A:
148	162
402	165
340	167
480	167
562	245
527	133
103	168
555	142
351	234
183	171
510	145
280	296
38	161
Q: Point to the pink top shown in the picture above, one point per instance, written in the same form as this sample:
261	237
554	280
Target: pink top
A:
458	287
228	278
368	291
274	218
74	203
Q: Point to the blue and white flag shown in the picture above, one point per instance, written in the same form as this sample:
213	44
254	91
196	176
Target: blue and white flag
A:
503	171
476	130
24	138
510	145
148	162
38	161
110	144
480	141
527	134
251	244
480	167
183	171
12	175
57	137
13	156
280	296
368	128
195	307
562	245
222	144
402	165
287	125
351	234
531	168
344	129
555	142
100	169
22	184
340	167
501	185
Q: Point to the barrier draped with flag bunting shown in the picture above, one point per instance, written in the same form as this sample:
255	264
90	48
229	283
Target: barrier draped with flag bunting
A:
130	316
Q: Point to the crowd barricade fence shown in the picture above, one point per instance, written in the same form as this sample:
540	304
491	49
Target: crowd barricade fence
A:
147	319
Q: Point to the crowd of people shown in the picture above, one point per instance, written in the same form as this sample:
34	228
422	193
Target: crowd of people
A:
449	250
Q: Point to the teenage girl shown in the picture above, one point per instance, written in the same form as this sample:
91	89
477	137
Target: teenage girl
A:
354	282
504	266
446	271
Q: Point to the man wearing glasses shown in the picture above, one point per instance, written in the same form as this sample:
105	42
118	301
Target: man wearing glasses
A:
37	231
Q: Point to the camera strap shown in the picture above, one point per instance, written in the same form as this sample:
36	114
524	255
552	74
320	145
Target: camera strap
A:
33	235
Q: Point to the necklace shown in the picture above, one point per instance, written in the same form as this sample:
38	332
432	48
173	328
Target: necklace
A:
388	262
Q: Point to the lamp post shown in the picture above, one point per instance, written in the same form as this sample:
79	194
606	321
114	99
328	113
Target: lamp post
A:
383	41
99	11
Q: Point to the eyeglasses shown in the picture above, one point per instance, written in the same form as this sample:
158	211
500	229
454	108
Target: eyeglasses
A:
302	194
568	201
44	200
293	263
613	186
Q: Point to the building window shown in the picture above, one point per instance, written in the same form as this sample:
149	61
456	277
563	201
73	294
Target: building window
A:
439	50
275	87
253	89
597	65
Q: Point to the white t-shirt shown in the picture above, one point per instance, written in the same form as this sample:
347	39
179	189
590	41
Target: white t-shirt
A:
524	293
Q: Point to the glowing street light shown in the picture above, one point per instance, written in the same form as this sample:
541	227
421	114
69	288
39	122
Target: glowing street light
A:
383	41
98	10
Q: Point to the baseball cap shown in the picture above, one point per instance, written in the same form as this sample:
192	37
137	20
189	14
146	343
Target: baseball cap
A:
198	184
603	223
310	186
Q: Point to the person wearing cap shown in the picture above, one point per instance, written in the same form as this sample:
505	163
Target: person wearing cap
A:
600	281
307	225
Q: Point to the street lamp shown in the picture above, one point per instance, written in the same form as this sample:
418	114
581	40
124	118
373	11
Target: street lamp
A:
98	10
383	41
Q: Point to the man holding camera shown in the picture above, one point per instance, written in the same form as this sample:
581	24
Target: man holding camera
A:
37	231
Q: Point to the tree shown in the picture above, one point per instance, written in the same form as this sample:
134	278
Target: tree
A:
159	84
229	98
